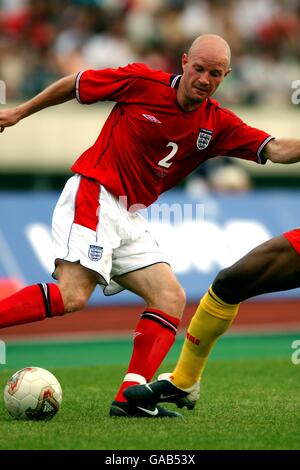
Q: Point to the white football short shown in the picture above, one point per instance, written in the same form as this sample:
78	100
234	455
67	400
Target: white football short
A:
91	226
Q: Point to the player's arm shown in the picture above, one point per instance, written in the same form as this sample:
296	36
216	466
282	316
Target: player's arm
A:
59	92
282	150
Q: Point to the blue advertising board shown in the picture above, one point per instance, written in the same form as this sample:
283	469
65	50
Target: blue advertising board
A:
200	235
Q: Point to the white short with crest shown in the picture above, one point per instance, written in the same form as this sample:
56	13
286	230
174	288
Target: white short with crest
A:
122	243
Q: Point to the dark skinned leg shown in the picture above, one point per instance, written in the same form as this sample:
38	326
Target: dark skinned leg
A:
270	267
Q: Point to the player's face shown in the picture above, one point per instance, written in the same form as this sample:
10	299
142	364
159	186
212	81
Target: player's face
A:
201	76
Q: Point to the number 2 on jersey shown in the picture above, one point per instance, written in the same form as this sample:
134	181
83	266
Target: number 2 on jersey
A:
165	162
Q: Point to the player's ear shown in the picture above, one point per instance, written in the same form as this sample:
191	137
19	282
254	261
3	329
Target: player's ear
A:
184	59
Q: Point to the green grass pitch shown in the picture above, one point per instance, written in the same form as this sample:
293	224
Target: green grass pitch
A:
250	399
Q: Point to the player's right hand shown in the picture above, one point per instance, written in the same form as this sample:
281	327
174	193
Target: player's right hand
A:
8	118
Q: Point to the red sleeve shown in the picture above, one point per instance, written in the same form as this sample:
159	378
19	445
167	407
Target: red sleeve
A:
121	84
237	139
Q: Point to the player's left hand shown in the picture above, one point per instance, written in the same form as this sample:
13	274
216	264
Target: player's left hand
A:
8	117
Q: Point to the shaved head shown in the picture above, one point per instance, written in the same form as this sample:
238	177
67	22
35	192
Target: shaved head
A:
212	45
205	66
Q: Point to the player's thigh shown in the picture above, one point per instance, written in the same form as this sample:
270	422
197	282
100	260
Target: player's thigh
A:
270	267
76	283
158	286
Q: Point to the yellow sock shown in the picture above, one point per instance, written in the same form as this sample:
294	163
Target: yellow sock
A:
212	318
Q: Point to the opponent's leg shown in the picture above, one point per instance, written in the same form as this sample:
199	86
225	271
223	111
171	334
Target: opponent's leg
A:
37	302
272	266
212	318
156	330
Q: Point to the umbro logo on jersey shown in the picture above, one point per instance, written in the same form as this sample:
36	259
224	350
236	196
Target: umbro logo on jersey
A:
204	138
151	118
136	333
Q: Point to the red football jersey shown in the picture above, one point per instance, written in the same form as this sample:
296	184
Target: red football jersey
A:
148	144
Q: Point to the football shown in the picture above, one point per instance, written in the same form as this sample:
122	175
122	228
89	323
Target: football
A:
33	394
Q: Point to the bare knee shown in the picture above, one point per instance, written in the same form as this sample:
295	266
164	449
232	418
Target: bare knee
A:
247	277
178	299
76	285
233	284
171	299
223	285
74	300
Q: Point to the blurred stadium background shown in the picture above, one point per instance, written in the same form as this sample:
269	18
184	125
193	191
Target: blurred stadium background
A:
239	205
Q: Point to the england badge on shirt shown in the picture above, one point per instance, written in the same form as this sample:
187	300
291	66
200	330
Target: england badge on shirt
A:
204	138
95	252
